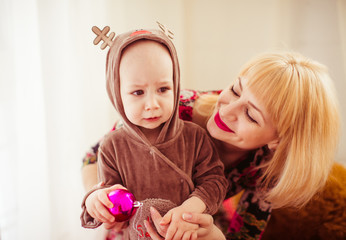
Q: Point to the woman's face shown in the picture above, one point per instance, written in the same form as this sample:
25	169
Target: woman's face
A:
240	120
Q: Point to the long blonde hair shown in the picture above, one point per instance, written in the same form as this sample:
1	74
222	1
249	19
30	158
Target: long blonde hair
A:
300	98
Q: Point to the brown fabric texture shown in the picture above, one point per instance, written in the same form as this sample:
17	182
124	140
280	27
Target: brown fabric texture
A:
136	229
181	163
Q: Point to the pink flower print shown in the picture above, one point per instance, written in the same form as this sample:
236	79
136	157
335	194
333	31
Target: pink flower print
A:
185	112
236	223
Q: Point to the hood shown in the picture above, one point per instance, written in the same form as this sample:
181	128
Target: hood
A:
173	125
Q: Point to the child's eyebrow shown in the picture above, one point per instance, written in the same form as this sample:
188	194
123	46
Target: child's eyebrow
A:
138	85
165	82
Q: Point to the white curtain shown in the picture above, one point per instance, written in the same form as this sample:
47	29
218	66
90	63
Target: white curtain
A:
53	102
24	177
42	118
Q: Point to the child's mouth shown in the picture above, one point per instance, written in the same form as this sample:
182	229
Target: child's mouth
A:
152	119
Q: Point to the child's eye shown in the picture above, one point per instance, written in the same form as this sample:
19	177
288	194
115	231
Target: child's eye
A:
138	92
163	89
234	92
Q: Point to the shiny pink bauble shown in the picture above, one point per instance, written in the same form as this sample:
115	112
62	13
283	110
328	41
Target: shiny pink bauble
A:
124	204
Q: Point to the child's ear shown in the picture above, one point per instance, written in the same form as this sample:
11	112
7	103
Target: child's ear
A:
272	145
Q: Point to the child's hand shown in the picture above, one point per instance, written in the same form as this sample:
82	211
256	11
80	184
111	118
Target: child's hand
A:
116	226
178	228
156	218
97	205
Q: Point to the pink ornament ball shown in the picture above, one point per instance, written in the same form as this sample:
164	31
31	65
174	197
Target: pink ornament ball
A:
124	204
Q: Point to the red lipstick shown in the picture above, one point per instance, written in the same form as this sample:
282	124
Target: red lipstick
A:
221	124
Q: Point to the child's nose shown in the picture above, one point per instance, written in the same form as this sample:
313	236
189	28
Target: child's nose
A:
151	103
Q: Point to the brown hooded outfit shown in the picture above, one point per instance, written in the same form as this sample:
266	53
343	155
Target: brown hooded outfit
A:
181	163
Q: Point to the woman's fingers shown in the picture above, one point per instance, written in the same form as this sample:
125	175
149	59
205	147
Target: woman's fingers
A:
204	220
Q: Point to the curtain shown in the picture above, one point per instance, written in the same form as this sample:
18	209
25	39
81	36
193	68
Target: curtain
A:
24	177
42	117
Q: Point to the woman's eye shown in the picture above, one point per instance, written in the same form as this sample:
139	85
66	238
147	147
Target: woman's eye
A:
234	92
138	92
249	117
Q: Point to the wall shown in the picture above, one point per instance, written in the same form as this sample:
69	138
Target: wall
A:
47	52
213	40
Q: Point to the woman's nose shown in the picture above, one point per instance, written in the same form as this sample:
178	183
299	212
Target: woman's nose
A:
230	111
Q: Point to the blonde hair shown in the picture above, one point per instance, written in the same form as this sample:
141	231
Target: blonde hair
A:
299	96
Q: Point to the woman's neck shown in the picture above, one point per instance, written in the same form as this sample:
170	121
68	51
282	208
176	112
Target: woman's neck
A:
230	154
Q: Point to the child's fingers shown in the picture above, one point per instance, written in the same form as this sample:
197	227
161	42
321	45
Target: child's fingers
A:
102	196
187	235
108	225
120	225
166	218
99	217
115	187
100	184
171	231
103	213
178	235
156	218
194	236
116	226
153	234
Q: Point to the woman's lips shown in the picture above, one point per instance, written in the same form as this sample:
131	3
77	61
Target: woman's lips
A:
221	124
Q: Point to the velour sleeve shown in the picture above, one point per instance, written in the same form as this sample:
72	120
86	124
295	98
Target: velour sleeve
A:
87	221
107	170
208	175
108	174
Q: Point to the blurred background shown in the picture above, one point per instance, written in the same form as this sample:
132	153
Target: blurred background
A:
53	101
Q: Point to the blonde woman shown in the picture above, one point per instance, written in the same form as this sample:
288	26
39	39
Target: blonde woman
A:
276	129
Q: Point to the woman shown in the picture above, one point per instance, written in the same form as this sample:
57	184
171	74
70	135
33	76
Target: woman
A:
276	129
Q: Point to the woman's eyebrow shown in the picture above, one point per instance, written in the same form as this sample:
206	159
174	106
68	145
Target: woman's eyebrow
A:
256	108
241	86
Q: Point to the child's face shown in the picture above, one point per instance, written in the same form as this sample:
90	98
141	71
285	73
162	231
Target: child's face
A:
146	84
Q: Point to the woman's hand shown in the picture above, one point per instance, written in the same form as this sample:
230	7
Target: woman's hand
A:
207	229
178	229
